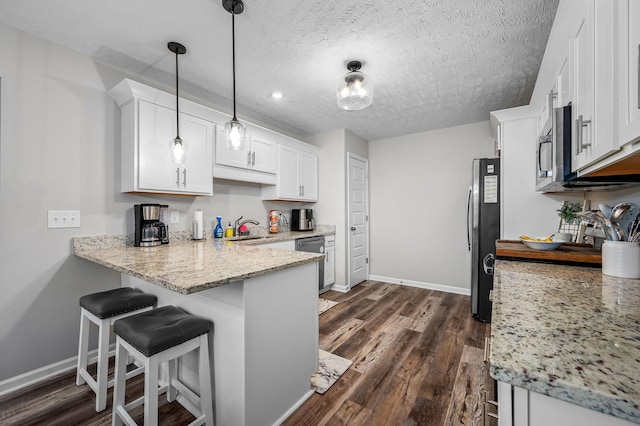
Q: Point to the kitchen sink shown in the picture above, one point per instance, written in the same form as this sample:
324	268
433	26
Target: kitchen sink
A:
246	237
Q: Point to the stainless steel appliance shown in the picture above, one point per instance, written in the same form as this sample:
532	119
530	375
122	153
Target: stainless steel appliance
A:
302	220
149	231
483	229
553	160
314	245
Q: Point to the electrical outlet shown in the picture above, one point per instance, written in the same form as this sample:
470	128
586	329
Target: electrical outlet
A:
175	216
63	219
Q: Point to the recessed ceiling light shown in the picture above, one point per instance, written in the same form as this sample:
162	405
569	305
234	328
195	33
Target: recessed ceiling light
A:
276	95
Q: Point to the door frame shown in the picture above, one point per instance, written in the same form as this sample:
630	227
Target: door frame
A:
351	155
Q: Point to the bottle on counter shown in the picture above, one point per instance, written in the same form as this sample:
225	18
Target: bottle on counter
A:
218	232
229	231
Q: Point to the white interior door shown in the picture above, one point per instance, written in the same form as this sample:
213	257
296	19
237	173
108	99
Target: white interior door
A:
358	223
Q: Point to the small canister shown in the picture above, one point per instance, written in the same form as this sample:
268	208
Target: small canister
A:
621	259
273	221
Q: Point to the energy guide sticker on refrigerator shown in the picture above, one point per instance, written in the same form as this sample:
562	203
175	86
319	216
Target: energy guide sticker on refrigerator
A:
483	229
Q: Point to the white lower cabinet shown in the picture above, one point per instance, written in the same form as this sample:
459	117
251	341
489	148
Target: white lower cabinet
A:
297	176
520	407
329	260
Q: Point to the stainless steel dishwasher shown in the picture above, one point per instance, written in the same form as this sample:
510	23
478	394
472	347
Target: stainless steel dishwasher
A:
313	245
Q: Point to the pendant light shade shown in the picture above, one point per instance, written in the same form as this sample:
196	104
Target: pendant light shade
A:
177	146
356	89
234	129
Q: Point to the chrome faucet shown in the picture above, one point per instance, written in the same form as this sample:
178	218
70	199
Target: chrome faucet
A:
239	224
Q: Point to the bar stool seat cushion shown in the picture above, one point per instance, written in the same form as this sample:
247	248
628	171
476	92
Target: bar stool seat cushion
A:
160	329
111	303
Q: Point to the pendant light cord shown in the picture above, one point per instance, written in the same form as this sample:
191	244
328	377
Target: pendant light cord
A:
177	94
233	55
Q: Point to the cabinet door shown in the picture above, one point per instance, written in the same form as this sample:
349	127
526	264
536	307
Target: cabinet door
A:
582	111
308	176
263	155
563	81
229	157
628	71
288	183
594	98
196	175
329	265
156	129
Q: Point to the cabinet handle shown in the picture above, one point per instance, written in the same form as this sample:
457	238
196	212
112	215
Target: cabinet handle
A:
253	159
249	159
581	123
303	190
184	181
178	176
300	190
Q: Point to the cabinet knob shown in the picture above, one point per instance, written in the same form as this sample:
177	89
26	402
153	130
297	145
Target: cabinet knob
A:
353	228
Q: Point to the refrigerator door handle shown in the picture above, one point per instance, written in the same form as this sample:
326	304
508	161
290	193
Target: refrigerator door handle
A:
468	219
488	269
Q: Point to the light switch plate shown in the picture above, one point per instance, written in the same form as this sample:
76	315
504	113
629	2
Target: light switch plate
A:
63	219
175	217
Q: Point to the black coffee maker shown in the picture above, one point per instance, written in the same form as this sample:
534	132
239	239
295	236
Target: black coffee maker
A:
149	231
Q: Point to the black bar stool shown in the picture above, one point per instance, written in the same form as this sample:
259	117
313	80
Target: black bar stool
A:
153	338
103	309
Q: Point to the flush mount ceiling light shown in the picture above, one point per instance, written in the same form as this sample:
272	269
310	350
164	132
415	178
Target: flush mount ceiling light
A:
178	146
355	90
276	95
234	129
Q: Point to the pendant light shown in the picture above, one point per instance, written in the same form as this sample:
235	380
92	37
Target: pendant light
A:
234	129
177	145
355	90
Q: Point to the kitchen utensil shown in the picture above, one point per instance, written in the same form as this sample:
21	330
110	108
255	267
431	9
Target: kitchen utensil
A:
605	209
634	229
598	218
621	217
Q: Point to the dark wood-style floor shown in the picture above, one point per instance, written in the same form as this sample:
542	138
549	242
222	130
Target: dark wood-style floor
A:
417	360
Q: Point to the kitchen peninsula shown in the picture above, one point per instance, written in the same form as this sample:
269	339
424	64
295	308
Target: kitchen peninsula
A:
565	345
263	304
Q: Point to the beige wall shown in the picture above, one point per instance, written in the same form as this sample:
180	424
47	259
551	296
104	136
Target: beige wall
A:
418	204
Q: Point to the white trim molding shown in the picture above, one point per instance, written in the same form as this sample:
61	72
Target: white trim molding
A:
420	284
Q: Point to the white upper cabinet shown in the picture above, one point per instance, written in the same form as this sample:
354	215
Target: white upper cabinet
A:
593	84
297	176
628	71
156	170
259	154
148	125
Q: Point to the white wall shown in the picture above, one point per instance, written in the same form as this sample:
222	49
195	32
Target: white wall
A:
59	150
419	187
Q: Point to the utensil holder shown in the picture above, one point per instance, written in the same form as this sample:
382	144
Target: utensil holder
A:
621	259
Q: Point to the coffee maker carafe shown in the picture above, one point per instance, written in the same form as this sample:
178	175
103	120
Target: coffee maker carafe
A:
149	231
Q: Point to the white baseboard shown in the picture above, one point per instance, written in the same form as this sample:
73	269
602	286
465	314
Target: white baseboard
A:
29	378
419	284
16	383
341	288
293	408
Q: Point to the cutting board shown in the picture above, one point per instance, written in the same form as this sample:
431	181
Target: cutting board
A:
567	253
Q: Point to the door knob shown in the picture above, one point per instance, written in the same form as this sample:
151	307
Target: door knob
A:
353	228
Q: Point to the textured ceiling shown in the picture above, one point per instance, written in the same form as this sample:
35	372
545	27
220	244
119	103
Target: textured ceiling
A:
435	63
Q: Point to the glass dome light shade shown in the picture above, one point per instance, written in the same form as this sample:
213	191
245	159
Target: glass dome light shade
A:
355	91
178	149
235	132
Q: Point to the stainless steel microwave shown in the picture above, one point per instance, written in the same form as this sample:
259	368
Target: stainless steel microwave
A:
553	161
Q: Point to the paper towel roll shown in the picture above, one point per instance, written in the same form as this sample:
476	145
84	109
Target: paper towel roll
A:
198	225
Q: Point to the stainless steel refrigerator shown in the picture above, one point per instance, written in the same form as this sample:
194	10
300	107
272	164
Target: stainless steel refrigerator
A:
483	229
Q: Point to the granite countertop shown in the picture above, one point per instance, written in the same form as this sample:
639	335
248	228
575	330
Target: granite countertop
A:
187	266
568	332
